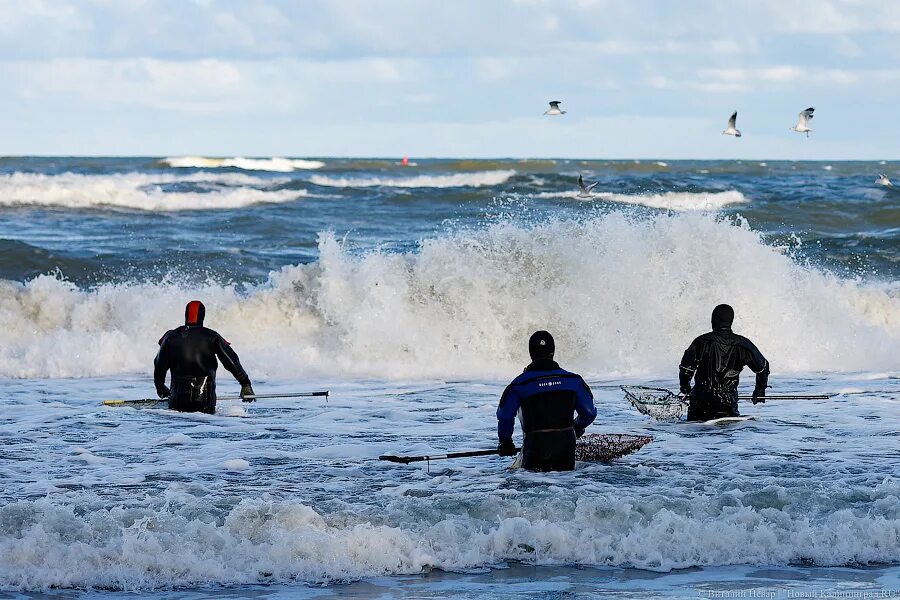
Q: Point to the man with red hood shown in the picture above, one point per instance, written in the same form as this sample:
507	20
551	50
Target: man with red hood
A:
190	353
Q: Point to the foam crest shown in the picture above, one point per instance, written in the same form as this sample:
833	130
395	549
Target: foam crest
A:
622	295
139	191
474	179
679	201
279	165
44	545
675	201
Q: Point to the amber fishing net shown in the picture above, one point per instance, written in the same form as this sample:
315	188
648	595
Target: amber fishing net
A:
609	446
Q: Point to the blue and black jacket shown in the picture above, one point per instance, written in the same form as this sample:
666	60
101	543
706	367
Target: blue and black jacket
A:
546	397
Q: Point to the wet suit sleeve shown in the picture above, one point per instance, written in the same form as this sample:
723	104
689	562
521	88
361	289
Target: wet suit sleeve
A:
758	363
161	365
689	363
584	407
506	413
230	361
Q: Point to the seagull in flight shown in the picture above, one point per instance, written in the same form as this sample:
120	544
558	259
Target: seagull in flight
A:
883	180
802	125
585	189
554	110
732	129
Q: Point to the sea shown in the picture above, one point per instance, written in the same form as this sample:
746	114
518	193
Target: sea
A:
409	293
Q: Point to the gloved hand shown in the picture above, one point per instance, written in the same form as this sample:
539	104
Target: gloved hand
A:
578	432
163	392
759	396
685	390
506	448
247	390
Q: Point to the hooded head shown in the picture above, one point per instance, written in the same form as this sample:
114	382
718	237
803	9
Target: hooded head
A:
194	313
722	316
541	345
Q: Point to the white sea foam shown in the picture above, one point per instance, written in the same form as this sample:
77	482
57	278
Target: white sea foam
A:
93	499
676	201
141	191
679	201
473	179
236	464
280	165
44	545
176	439
621	294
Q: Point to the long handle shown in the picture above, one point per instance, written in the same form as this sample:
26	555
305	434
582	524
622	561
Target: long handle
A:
258	396
683	398
255	397
408	459
793	397
138	401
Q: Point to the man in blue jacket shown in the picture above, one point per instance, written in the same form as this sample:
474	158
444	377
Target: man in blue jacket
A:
545	397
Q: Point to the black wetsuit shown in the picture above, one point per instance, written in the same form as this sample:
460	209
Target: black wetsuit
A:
546	397
190	352
715	360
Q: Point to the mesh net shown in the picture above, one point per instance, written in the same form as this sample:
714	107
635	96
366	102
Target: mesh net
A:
609	446
659	403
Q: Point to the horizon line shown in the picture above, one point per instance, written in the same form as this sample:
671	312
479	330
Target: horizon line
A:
477	158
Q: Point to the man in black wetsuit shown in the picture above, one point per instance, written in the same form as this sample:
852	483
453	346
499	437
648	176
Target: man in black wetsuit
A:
715	360
545	397
190	352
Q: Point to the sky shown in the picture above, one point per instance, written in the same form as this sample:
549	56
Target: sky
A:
441	78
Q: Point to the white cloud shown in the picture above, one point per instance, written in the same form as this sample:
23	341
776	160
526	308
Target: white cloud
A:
325	65
199	86
734	79
495	69
836	16
410	28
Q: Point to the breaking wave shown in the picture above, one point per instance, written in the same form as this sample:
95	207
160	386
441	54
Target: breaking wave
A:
475	179
280	165
676	201
622	296
150	192
262	541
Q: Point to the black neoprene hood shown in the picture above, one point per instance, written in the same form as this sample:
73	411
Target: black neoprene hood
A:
541	345
722	316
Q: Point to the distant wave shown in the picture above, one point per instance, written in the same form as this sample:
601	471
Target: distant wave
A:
400	315
677	201
18	257
204	191
680	201
476	179
281	165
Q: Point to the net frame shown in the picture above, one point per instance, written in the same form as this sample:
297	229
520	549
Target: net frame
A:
658	403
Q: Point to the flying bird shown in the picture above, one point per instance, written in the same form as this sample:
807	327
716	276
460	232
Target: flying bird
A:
554	110
883	180
802	125
585	189
732	129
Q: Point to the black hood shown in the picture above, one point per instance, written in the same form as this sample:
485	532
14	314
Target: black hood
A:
541	345
722	317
